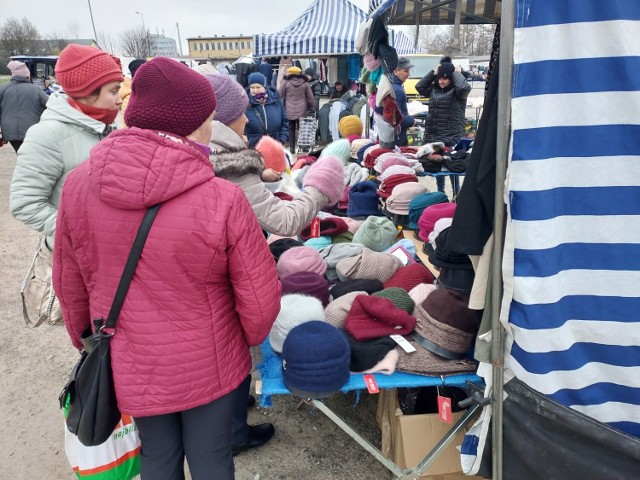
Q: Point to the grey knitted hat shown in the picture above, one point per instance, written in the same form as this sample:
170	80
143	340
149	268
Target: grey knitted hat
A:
336	252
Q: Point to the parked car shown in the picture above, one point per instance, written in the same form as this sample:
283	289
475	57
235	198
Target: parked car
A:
40	67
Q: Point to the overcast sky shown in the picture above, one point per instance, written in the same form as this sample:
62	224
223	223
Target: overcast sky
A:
195	17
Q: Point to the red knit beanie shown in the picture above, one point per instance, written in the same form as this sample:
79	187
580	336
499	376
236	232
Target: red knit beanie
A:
169	96
373	317
80	70
410	276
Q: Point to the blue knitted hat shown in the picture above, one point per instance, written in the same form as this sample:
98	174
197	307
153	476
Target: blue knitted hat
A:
363	199
420	202
257	77
315	360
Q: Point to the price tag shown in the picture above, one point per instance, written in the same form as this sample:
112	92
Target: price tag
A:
404	344
315	228
370	382
444	409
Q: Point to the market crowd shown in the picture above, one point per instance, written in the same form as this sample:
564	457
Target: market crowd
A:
315	258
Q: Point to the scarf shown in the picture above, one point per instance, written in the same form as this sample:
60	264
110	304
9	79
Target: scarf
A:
104	115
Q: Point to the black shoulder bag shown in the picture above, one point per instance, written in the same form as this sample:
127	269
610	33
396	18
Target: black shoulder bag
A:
90	394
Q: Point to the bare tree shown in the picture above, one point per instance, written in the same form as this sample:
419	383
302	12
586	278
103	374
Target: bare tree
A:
19	37
135	42
473	39
73	29
108	42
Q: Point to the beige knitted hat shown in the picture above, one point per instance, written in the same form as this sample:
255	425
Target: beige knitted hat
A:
337	311
424	362
368	265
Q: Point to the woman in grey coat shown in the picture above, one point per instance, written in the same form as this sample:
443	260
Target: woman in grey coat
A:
21	104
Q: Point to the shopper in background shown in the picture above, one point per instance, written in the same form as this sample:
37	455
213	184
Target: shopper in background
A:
21	105
72	124
266	114
447	90
125	89
297	96
204	290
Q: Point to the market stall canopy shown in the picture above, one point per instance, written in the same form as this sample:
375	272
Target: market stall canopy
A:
327	27
437	12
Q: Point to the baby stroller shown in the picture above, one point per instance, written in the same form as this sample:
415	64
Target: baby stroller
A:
307	134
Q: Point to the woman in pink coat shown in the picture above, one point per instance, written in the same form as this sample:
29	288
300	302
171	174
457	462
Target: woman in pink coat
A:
205	288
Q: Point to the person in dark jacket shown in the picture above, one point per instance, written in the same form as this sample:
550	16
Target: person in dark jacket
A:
267	70
338	90
400	75
447	90
298	100
266	114
21	105
316	87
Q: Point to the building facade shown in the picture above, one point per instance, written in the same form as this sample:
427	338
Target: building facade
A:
220	47
161	46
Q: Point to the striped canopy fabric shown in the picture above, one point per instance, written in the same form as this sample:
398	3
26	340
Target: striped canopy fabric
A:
327	27
572	253
437	12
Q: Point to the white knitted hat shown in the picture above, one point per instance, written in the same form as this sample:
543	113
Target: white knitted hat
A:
295	309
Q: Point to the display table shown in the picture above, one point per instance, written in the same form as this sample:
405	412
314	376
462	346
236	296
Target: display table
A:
271	383
424	258
444	173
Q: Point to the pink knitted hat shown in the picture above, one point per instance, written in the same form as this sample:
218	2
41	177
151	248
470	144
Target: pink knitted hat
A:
300	259
431	215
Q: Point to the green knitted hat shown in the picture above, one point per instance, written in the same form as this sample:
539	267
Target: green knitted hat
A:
340	149
345	237
399	297
376	233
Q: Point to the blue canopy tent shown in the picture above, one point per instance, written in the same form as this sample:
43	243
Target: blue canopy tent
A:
326	28
564	293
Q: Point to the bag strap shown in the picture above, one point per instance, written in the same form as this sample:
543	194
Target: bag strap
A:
130	267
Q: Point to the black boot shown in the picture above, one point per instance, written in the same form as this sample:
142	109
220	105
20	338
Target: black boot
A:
258	436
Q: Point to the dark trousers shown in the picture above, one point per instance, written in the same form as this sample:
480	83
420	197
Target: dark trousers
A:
15	144
202	434
455	183
240	427
293	126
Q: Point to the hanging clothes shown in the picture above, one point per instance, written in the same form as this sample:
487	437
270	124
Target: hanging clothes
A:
354	62
332	70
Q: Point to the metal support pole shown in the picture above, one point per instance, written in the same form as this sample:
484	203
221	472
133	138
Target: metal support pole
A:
179	38
95	35
456	27
502	151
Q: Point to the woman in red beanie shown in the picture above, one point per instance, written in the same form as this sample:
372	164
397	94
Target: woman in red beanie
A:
70	126
205	287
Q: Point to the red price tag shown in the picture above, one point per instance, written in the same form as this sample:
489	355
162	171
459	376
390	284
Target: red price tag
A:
370	382
315	228
444	409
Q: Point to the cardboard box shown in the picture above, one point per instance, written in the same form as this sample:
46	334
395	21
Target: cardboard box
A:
407	439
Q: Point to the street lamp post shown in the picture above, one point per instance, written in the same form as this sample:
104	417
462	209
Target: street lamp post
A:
146	34
93	24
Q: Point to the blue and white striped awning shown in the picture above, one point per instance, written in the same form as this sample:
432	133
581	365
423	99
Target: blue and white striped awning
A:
572	252
327	27
436	12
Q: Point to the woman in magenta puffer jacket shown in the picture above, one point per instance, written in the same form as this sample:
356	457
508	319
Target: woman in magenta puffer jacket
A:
205	288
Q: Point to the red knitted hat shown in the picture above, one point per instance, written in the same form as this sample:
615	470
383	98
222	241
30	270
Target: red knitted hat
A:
329	227
80	70
388	184
373	317
169	96
272	153
431	215
410	276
